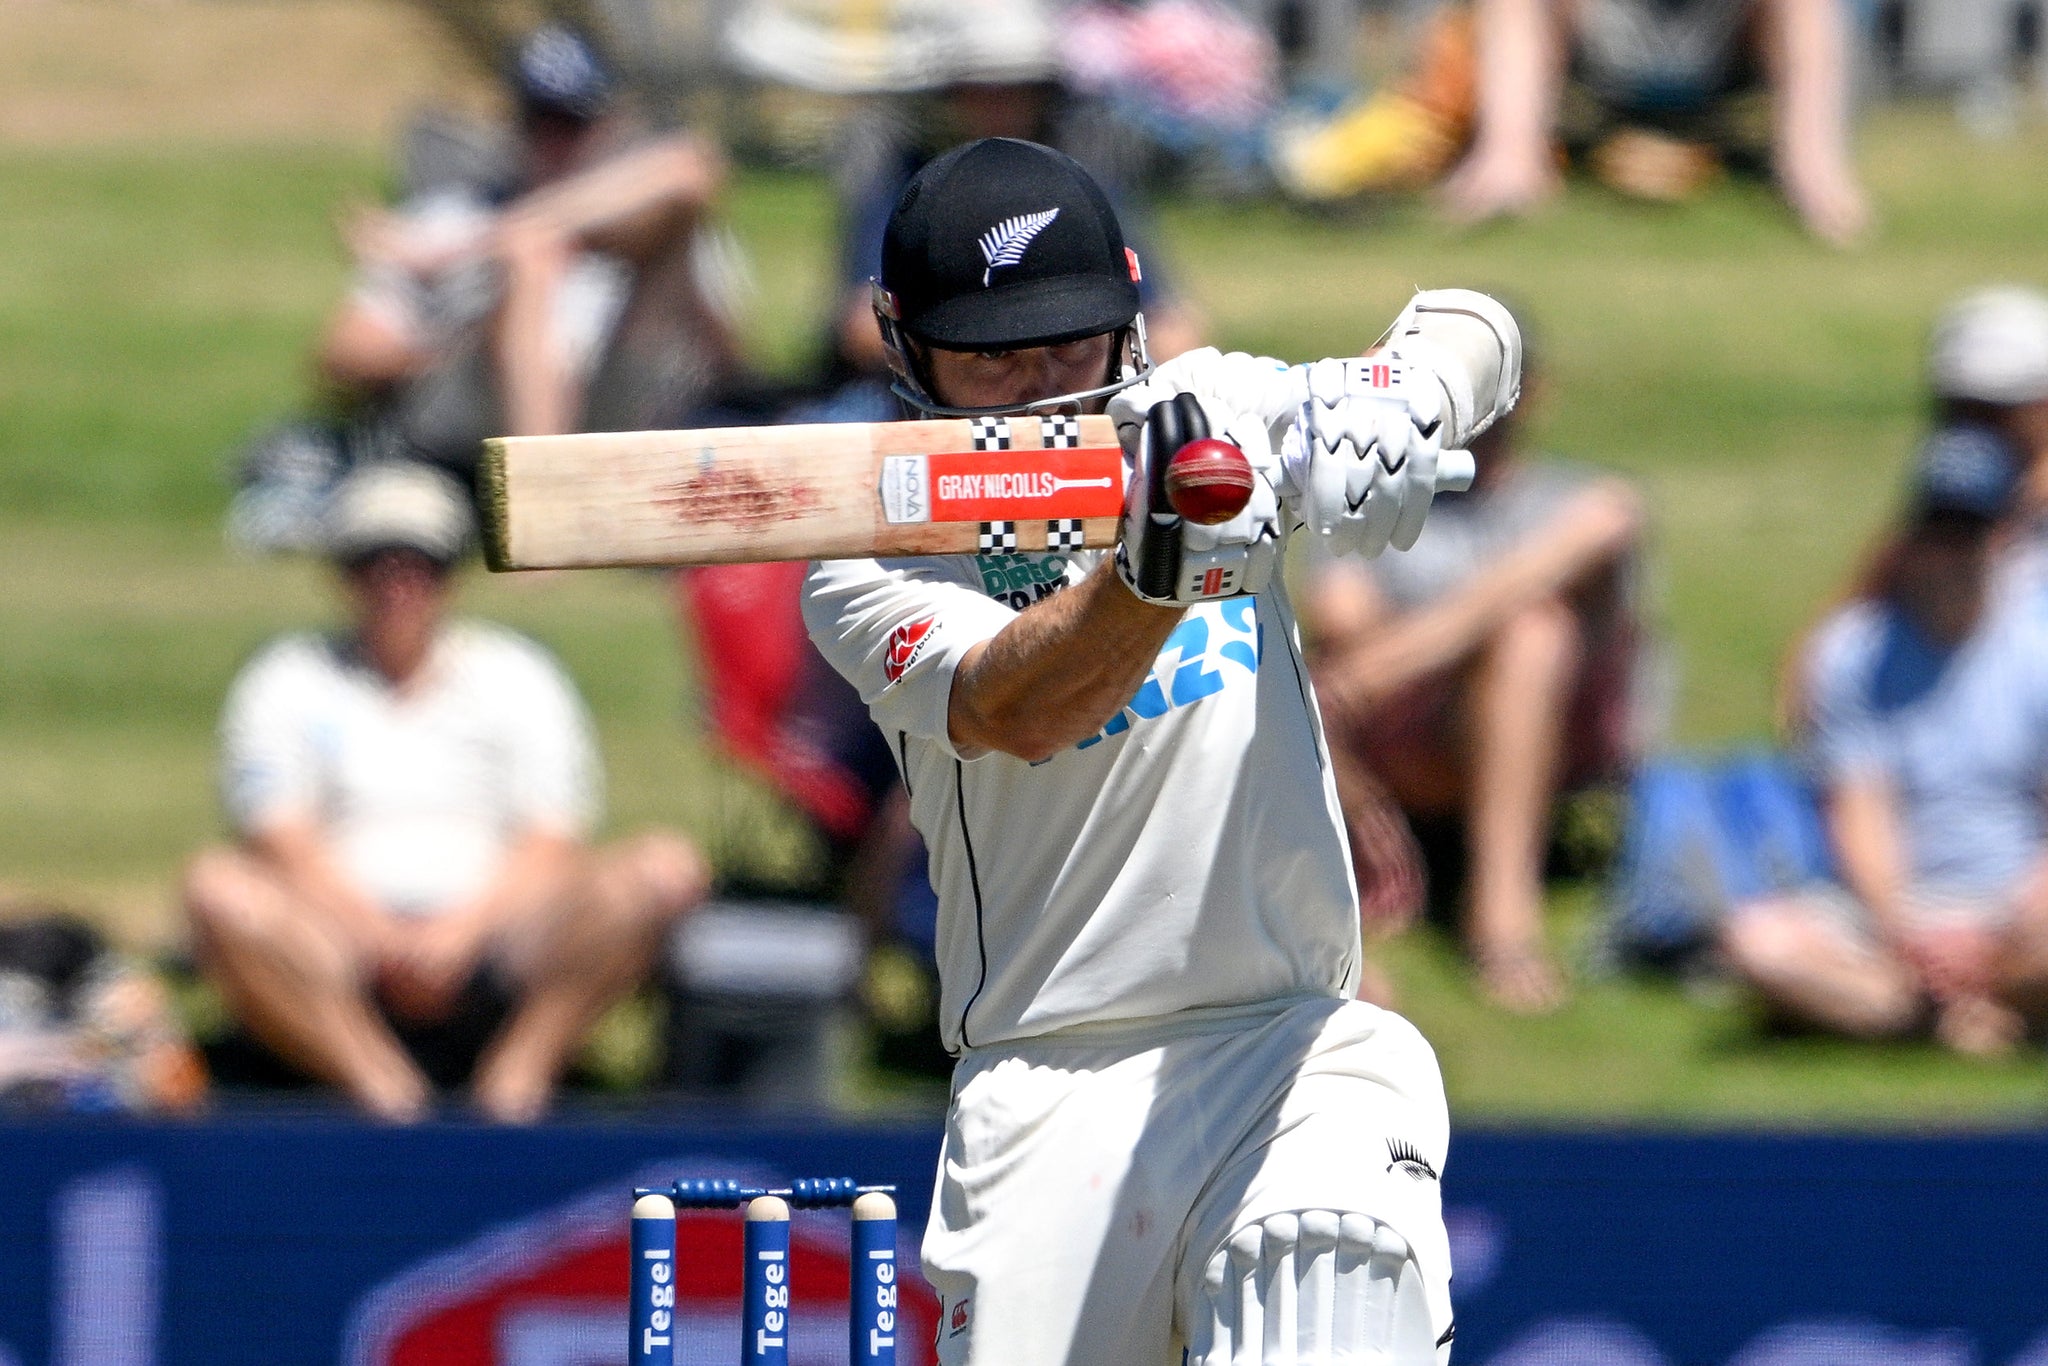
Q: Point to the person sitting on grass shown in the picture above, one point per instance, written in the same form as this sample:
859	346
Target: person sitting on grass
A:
1987	366
1659	95
1474	678
411	898
1926	729
572	296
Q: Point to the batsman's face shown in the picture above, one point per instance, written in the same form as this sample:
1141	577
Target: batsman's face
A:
1003	379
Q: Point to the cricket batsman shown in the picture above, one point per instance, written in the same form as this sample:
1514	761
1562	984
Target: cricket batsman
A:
1174	1136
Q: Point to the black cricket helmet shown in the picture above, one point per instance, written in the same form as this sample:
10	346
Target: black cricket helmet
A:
999	245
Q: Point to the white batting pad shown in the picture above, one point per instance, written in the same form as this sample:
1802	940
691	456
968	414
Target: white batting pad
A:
1314	1288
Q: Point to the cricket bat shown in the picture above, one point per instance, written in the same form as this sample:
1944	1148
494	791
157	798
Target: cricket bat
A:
809	492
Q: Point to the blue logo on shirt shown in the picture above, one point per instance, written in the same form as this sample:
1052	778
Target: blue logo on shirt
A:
1215	645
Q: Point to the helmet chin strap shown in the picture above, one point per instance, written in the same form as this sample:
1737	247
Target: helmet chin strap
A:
1132	358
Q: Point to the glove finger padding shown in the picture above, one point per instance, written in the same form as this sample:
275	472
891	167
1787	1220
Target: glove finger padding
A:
1245	386
1164	558
1361	460
1422	459
1170	425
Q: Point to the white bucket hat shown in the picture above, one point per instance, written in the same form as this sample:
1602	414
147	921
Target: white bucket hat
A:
392	505
1992	346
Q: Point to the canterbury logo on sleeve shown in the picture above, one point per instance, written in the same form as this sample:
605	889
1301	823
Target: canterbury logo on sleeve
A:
906	643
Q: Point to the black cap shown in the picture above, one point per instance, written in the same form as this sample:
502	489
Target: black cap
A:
1002	243
557	71
1967	471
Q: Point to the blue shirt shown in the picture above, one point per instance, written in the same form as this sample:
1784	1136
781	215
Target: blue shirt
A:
1960	735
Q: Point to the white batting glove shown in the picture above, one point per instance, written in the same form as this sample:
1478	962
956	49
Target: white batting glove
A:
1473	346
1164	558
1234	382
1361	461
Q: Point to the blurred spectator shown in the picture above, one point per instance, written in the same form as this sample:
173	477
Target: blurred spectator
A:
1987	364
1476	676
1654	90
1927	735
575	288
411	799
930	76
83	1028
778	710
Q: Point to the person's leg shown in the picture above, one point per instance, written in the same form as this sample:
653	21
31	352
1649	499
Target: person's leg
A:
1516	710
1385	861
1386	763
1809	967
582	954
296	984
1523	48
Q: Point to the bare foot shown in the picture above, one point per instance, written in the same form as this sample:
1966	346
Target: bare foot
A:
1494	185
1519	978
401	1097
512	1094
1832	206
1979	1027
1646	165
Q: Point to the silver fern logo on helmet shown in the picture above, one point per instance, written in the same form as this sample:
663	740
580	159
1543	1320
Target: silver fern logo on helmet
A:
1004	244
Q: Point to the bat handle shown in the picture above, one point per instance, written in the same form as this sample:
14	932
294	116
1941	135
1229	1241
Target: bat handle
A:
1455	471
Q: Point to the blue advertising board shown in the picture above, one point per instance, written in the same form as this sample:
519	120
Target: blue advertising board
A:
279	1240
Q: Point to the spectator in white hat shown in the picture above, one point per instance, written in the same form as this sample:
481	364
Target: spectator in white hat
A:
1927	740
410	899
1987	367
1987	363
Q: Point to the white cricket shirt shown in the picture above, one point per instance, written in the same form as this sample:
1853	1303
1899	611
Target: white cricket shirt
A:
1189	855
421	791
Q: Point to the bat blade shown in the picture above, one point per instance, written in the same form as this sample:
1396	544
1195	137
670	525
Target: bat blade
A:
823	491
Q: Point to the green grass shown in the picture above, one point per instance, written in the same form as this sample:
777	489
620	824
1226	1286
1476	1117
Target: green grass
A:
155	306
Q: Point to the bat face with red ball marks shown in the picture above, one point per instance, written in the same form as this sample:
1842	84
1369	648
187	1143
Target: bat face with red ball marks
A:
822	491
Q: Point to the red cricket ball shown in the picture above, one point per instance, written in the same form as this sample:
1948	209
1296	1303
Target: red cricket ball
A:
1208	481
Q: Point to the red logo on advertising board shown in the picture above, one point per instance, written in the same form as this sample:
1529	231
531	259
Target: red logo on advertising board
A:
906	643
552	1289
960	1316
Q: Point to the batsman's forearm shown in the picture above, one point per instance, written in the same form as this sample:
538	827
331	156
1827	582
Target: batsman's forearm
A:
1056	674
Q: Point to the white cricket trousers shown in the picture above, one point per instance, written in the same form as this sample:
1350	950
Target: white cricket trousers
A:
1087	1177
